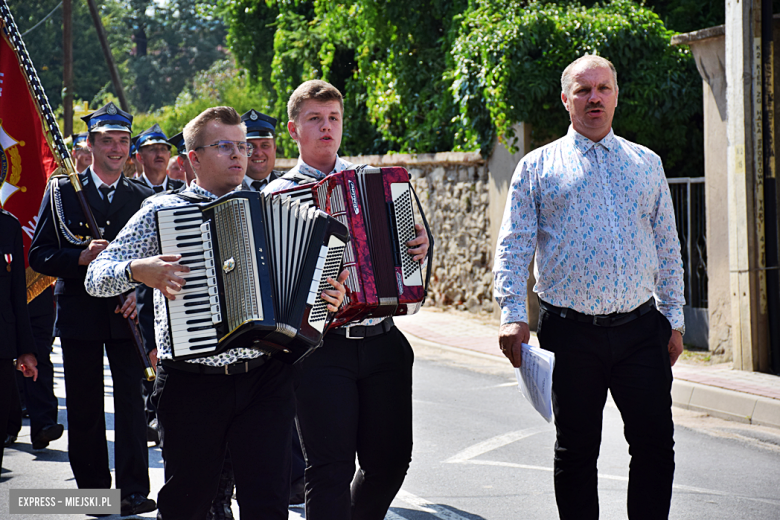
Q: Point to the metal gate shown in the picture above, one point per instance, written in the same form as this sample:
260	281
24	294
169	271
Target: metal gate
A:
690	214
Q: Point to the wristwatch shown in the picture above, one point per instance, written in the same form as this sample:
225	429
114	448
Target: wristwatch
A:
681	330
129	273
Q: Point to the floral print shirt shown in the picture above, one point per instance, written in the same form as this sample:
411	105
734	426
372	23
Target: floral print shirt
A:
600	219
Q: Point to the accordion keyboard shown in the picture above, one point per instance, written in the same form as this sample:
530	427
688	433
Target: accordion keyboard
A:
196	309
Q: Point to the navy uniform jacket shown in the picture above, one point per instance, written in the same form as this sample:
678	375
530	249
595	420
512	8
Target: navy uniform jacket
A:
275	174
15	330
80	315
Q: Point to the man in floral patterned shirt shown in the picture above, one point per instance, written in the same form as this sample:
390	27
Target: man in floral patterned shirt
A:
234	399
596	210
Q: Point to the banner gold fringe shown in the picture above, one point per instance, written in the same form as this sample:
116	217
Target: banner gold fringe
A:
36	283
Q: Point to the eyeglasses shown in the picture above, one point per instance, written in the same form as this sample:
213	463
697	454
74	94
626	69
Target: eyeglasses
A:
231	147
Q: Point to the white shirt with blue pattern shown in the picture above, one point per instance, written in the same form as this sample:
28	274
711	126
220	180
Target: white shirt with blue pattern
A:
284	184
138	239
600	218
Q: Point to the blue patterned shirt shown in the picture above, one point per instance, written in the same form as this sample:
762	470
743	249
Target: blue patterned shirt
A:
138	239
600	219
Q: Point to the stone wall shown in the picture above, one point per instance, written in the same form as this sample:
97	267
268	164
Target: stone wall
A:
453	191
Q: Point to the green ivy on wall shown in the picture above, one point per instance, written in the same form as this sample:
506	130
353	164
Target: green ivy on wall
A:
508	59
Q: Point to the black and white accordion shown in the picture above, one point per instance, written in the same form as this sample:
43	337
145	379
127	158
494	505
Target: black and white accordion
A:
257	268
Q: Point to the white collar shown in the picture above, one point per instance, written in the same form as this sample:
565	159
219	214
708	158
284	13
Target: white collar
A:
98	182
149	183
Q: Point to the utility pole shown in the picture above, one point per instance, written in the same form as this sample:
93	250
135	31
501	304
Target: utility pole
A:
115	80
67	66
747	245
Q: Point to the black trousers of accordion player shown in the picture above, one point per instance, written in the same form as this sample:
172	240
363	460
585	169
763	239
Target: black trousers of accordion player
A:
630	360
355	396
201	415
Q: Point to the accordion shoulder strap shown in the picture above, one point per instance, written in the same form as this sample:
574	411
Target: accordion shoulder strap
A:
299	178
195	199
430	243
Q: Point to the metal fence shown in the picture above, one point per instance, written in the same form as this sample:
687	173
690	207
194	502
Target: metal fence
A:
688	199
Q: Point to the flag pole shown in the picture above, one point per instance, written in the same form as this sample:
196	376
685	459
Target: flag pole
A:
62	155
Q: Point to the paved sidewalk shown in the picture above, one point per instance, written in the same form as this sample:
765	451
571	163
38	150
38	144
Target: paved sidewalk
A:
717	390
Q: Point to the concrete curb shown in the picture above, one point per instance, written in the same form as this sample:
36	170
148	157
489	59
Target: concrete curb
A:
717	402
726	404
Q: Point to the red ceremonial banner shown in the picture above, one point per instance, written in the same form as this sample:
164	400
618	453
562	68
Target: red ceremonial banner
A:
26	160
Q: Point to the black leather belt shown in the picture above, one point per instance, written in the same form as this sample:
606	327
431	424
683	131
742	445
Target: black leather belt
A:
241	367
363	332
600	320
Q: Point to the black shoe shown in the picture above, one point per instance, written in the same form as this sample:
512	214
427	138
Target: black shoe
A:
135	504
9	440
220	512
153	432
46	435
297	492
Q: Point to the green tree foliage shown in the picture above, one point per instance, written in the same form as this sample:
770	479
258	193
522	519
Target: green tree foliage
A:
158	47
388	58
509	58
221	84
44	44
163	45
251	28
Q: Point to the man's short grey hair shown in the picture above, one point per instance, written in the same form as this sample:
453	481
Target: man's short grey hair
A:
591	61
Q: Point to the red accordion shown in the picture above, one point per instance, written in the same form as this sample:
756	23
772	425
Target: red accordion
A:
376	205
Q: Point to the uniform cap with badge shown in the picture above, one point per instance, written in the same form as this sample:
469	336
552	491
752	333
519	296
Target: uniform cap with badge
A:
80	141
259	125
150	136
109	118
178	141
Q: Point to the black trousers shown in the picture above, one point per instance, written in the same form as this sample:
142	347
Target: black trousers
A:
39	395
632	362
355	396
7	397
201	415
87	448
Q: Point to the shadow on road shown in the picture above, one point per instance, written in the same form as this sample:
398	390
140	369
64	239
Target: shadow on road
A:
446	512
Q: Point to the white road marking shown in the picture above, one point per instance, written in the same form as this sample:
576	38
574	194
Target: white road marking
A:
496	442
619	478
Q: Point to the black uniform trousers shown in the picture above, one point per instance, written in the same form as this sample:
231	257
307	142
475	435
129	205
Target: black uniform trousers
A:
87	447
7	397
39	395
355	396
200	415
632	362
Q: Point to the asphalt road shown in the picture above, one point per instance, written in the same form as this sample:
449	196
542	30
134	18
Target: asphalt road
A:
482	452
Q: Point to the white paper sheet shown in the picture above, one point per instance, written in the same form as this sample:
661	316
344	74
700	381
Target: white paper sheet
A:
534	379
